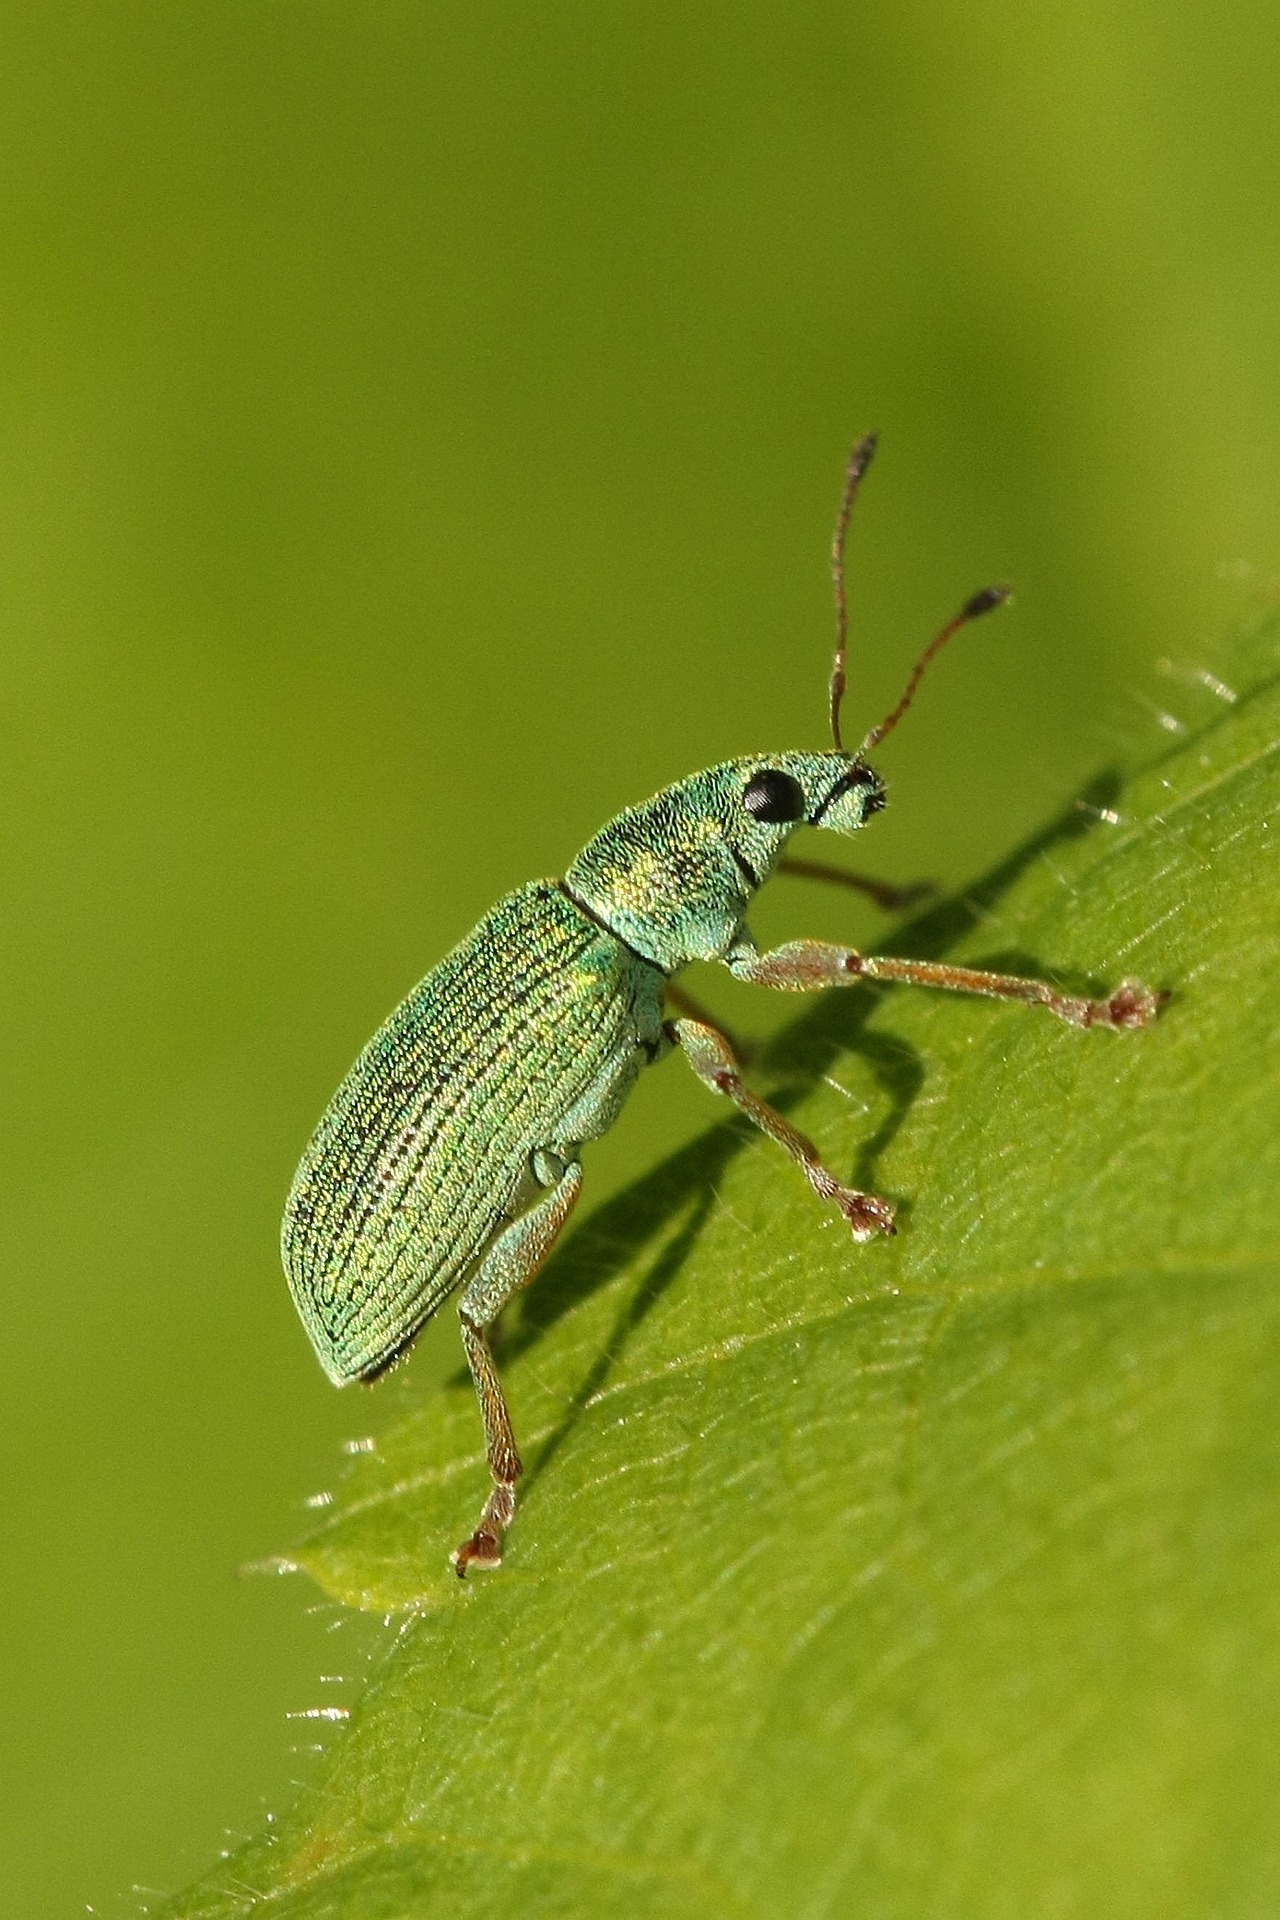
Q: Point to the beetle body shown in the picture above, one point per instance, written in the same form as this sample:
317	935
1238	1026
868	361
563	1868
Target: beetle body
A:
448	1158
525	1040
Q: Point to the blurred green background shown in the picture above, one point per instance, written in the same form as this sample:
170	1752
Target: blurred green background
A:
421	432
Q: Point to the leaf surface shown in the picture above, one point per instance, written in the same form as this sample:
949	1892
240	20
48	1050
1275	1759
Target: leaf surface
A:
937	1577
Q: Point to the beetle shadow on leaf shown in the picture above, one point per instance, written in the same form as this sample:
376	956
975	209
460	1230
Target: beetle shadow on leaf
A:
605	1243
633	1310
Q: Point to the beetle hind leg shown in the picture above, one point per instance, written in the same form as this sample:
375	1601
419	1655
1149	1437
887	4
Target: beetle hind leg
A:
511	1263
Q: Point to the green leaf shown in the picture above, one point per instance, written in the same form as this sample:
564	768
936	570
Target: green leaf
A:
937	1577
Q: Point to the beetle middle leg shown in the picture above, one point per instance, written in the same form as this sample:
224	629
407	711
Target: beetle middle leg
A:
511	1263
712	1059
743	1051
892	899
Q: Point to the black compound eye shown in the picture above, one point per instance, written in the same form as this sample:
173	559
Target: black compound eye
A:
773	797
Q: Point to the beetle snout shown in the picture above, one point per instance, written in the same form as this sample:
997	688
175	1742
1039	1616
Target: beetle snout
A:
857	796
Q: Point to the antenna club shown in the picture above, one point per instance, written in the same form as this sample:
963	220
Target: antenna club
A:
862	455
986	601
979	603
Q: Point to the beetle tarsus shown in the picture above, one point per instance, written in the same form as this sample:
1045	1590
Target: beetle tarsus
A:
1131	1005
484	1549
868	1215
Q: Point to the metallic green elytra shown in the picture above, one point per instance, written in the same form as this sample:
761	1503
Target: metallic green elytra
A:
449	1156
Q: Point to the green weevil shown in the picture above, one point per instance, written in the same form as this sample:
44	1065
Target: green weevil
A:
449	1156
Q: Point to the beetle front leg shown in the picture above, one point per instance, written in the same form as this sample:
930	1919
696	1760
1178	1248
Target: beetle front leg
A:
510	1264
802	966
712	1059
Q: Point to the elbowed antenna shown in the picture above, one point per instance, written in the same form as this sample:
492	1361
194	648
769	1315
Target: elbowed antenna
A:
859	461
984	602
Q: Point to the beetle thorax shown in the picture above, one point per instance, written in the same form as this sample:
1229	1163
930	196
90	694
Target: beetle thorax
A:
663	878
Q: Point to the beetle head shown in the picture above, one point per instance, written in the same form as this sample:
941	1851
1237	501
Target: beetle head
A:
673	876
760	801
